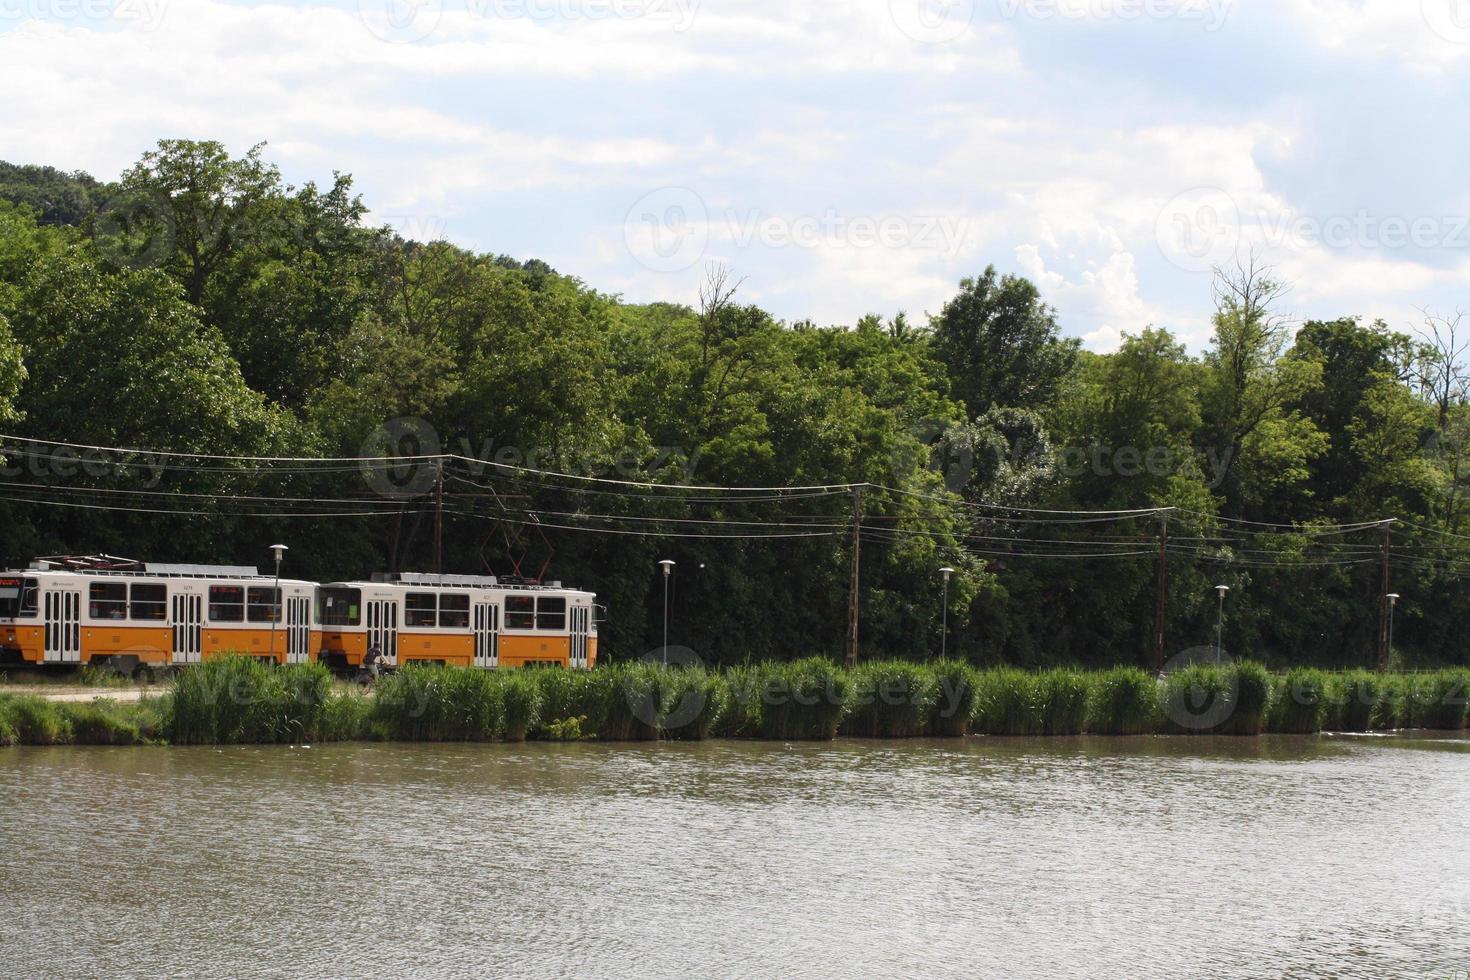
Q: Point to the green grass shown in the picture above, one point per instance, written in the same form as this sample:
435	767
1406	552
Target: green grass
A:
1304	701
891	699
239	699
245	700
958	698
1123	701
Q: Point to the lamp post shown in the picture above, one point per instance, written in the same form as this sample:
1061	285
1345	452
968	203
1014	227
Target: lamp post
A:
279	551
944	632
1220	623
1393	601
668	567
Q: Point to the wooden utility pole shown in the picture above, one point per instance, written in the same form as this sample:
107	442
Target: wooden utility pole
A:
439	518
852	598
1383	610
1163	585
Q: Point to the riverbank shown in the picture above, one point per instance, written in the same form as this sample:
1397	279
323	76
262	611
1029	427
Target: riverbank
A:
238	700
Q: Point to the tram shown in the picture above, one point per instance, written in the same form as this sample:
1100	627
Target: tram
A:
125	615
457	620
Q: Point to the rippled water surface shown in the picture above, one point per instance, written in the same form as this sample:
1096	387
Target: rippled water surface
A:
1070	857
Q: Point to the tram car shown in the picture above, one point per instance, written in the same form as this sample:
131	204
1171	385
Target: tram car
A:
125	614
456	620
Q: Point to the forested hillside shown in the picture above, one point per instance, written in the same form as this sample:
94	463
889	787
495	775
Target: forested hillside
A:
202	306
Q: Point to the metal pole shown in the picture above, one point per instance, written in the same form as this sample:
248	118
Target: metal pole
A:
668	566
439	519
276	611
1384	604
944	635
1163	575
1220	628
852	599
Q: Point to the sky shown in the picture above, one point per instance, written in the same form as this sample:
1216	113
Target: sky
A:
843	157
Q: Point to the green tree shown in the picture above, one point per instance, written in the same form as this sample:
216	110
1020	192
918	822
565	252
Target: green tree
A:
1001	345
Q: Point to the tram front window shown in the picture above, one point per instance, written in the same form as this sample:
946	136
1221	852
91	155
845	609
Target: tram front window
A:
10	596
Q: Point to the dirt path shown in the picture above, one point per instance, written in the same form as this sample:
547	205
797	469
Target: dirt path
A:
61	693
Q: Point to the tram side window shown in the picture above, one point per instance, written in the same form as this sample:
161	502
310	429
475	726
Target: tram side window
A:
421	609
341	607
264	604
551	613
29	597
109	600
227	603
454	610
520	612
149	601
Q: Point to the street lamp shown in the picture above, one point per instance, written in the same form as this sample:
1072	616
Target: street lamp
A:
279	551
1393	601
944	634
1220	624
668	567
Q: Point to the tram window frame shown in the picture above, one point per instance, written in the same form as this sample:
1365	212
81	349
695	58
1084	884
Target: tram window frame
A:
520	612
555	618
148	601
418	614
107	600
30	599
10	604
263	604
327	599
454	610
227	610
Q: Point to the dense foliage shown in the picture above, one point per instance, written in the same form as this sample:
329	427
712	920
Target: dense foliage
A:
201	305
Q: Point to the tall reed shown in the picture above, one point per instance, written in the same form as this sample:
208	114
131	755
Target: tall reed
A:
1303	703
957	697
1123	701
891	699
238	699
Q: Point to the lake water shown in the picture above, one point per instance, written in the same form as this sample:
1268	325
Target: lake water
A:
1064	857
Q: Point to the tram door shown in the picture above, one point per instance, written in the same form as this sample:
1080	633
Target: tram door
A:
63	612
298	629
487	634
382	628
581	623
187	629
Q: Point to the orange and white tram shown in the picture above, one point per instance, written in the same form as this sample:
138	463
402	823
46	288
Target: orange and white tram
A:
457	620
130	614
